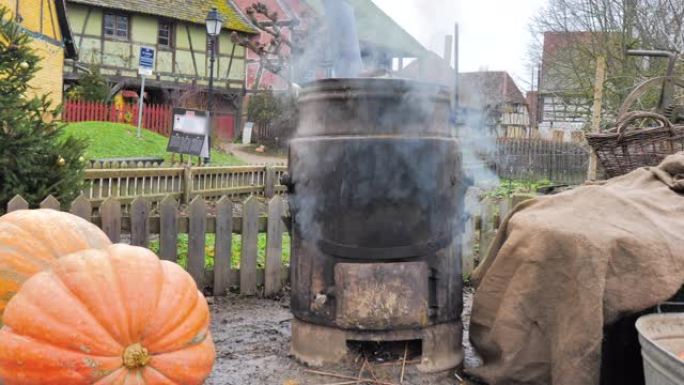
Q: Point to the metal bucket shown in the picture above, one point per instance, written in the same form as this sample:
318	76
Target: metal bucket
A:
662	340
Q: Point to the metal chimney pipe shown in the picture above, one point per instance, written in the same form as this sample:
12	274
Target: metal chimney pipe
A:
344	42
448	47
456	79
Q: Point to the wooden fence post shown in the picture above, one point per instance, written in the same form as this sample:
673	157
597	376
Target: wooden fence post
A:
274	248
223	247
197	240
168	229
17	203
269	182
504	209
140	222
81	207
110	212
187	184
487	229
248	257
50	203
596	113
467	243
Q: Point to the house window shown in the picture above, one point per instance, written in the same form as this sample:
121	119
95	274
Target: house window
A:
116	26
165	34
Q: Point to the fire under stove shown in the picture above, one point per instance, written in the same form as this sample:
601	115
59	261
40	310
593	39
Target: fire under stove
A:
376	196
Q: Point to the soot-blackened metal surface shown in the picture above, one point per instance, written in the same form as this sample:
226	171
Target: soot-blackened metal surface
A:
376	169
378	296
377	192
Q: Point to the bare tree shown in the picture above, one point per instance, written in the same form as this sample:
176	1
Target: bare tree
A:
278	54
605	28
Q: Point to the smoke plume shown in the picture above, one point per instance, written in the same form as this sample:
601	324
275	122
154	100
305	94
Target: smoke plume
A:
345	51
415	111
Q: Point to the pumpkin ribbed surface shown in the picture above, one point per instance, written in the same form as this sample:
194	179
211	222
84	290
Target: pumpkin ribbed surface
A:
115	316
30	240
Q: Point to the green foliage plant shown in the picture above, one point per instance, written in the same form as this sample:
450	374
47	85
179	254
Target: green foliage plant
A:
35	159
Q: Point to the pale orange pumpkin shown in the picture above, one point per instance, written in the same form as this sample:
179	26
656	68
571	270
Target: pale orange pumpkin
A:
30	240
106	317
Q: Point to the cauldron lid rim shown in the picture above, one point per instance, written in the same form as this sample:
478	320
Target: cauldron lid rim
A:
399	84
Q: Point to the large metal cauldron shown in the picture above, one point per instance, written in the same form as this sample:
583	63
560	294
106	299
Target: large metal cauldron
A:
376	193
376	168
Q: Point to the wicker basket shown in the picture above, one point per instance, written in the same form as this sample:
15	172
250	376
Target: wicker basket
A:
626	148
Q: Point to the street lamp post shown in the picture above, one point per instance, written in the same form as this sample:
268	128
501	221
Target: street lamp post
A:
214	22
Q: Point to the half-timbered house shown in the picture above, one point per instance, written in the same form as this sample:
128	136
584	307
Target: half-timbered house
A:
109	34
502	103
487	99
563	102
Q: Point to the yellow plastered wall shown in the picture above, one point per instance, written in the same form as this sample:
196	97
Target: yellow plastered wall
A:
50	77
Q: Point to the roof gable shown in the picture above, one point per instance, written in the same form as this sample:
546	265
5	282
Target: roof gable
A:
557	41
561	52
488	88
476	89
193	11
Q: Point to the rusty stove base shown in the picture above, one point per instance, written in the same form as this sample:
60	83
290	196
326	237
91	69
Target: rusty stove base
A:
316	345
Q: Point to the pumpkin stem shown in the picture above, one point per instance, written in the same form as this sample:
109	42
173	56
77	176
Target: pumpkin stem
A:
135	356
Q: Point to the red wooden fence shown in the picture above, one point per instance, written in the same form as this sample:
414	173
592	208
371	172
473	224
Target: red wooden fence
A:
155	118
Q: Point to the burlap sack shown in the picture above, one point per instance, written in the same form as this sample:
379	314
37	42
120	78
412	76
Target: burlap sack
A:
564	266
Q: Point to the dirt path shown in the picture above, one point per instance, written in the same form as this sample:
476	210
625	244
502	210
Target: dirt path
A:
238	151
252	338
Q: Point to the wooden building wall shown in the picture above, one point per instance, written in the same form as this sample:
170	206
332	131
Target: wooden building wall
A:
186	62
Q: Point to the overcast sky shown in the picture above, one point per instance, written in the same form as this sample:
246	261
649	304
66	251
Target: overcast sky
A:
494	34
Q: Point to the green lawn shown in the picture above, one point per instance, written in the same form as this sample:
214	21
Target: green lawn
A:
116	140
236	248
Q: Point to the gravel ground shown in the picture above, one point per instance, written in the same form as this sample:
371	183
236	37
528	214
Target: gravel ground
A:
252	339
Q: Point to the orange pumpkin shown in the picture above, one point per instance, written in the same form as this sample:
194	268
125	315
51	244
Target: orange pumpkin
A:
105	317
30	240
